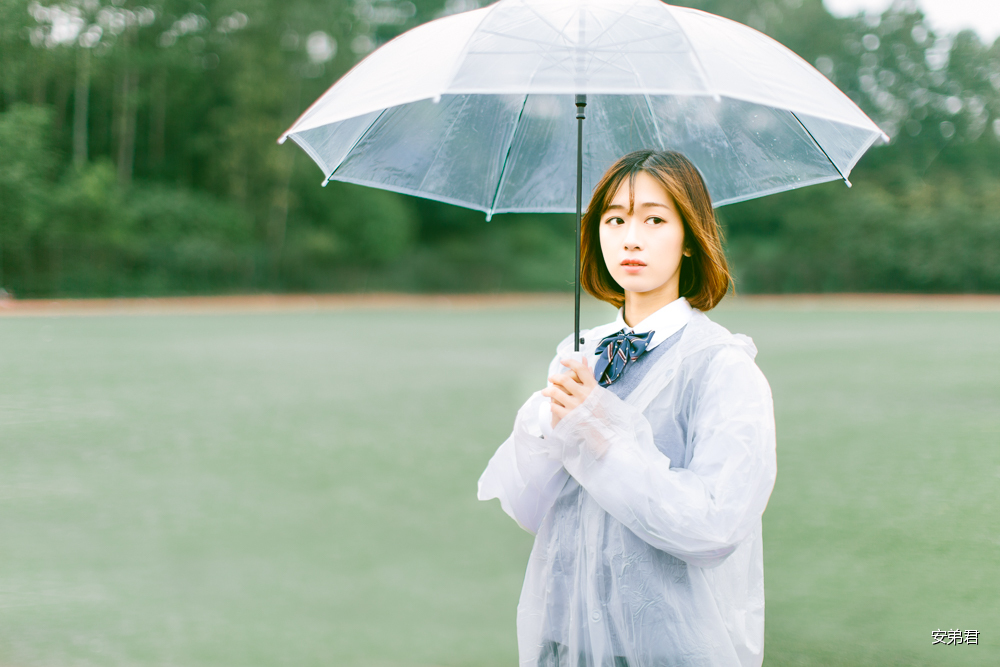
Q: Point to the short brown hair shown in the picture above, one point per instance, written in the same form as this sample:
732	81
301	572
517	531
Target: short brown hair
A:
705	277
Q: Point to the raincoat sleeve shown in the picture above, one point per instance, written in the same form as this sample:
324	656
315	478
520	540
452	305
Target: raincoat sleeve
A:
521	474
702	512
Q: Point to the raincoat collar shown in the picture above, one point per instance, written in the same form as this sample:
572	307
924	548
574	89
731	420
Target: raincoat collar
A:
701	333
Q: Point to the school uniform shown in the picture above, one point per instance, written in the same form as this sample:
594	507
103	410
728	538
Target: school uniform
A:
646	503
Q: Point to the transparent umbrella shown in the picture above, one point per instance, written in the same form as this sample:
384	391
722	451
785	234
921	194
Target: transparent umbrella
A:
485	109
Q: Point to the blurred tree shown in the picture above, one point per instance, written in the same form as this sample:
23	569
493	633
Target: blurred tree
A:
25	172
121	119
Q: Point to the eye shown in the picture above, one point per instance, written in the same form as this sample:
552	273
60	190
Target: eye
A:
614	221
653	220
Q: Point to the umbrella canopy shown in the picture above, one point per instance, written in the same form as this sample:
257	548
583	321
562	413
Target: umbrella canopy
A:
477	109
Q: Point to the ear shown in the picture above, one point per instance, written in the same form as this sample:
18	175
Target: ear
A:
687	252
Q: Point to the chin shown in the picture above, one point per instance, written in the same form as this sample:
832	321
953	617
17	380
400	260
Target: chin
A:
636	289
642	284
636	284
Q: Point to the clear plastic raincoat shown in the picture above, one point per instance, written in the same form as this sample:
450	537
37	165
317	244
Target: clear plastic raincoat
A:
647	512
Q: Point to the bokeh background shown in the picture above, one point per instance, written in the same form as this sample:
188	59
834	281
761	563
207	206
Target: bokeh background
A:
265	483
139	158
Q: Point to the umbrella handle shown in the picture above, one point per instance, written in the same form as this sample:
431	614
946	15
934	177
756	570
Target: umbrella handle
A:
581	103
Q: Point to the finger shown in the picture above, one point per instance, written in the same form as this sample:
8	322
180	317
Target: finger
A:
557	395
559	412
569	371
588	379
583	372
580	369
567	383
576	364
561	380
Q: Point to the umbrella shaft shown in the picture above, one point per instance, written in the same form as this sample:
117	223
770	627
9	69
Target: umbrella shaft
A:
581	103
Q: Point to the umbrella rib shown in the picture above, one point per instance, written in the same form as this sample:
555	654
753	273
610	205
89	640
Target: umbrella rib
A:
615	47
355	145
732	148
544	21
702	72
606	29
652	117
465	47
515	38
649	103
562	62
607	47
558	34
503	169
823	150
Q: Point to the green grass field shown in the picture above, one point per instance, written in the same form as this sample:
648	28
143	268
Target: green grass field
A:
256	490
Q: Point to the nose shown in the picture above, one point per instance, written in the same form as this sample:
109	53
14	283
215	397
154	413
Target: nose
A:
633	233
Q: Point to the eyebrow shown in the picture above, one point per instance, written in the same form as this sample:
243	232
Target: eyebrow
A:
644	204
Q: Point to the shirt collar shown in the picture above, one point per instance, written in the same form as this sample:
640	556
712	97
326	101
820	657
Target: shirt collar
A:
665	322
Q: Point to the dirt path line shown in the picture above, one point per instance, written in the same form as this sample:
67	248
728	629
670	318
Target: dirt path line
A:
263	303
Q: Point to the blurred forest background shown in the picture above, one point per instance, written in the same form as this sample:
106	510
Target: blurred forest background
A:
138	157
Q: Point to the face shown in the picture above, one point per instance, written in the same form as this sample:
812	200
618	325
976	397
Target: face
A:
643	247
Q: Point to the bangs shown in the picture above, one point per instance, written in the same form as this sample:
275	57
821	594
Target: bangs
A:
614	181
611	188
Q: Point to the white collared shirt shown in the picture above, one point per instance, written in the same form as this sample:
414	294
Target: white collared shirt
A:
665	322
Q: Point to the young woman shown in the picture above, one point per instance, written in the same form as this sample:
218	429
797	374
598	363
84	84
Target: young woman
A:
644	467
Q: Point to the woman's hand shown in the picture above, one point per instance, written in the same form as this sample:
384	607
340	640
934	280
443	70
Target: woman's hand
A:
570	389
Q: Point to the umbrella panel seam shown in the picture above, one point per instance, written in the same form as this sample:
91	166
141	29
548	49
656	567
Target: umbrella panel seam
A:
355	145
702	72
307	147
465	49
817	144
503	169
656	125
864	147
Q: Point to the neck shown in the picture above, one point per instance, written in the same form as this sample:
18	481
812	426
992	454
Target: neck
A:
640	305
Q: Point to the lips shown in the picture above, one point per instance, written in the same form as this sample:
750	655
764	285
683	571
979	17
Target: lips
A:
633	262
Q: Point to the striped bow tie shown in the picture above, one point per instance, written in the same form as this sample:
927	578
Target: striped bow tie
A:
616	352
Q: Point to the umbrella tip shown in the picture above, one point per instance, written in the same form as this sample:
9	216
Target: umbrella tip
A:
848	183
489	216
325	181
282	138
